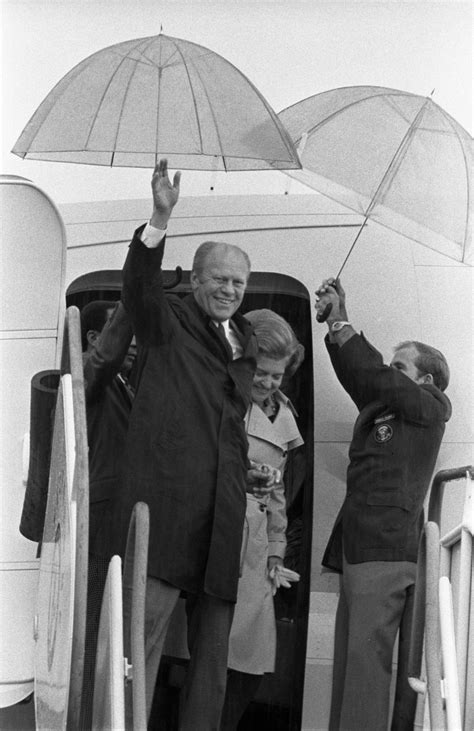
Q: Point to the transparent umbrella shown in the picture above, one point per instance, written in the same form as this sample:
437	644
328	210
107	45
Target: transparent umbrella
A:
396	158
134	102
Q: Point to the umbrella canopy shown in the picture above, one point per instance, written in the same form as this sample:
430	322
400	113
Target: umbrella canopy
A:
134	102
394	157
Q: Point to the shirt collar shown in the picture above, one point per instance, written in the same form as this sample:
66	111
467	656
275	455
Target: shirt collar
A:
225	325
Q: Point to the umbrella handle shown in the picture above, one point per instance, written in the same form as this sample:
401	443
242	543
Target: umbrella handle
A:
323	316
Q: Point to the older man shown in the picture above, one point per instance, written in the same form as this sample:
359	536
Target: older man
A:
374	542
187	449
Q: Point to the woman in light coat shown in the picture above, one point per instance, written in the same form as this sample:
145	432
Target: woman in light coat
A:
272	432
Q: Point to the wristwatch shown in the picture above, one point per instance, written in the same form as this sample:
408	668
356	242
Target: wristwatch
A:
336	326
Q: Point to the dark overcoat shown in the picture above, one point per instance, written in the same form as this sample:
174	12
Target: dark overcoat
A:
187	448
392	456
108	405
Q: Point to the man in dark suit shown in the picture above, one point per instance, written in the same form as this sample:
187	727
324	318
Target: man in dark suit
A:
109	352
187	449
374	542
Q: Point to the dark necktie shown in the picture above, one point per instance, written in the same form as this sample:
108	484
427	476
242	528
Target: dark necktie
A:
221	329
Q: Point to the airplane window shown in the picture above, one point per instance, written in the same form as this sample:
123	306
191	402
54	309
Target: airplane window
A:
278	702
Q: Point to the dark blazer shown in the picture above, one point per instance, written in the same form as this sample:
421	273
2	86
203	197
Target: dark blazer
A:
392	456
187	448
108	405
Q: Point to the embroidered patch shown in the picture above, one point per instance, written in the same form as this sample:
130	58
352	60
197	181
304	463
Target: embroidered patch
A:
383	433
385	417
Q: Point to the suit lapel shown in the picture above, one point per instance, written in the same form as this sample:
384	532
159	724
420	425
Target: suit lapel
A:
125	389
202	327
206	331
242	329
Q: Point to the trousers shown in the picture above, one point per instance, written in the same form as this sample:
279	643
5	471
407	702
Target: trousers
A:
375	602
209	623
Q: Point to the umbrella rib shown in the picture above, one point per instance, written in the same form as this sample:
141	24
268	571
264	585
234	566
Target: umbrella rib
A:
466	169
137	61
394	107
284	135
85	63
107	87
397	158
341	110
388	174
178	50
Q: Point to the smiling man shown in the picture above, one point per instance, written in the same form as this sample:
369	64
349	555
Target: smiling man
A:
374	542
187	449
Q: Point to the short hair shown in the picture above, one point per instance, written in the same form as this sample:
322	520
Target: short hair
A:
93	317
276	339
206	248
429	360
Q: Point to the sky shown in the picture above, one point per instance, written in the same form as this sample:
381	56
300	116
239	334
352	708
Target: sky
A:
289	49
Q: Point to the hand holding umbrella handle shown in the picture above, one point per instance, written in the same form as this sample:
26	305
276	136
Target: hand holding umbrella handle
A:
323	316
330	287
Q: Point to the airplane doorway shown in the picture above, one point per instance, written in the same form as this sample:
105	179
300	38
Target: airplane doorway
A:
278	703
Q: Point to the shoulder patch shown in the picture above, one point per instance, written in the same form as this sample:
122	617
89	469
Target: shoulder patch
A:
383	433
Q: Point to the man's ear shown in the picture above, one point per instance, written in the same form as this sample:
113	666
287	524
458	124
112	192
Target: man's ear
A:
428	378
92	336
194	280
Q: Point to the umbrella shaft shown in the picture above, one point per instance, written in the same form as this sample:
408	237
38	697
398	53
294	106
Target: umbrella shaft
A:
352	246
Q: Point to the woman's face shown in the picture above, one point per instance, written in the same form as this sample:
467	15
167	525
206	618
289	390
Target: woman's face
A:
268	377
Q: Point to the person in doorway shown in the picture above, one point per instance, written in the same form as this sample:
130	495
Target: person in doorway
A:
187	449
374	542
108	351
272	432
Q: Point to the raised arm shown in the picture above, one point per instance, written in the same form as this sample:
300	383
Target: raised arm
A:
108	354
360	367
339	328
142	292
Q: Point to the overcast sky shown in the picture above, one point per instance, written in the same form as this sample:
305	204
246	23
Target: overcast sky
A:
290	50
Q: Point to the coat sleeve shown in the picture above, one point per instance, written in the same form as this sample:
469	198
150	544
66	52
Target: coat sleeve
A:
143	295
108	354
362	373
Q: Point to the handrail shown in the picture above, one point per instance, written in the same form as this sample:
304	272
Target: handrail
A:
108	710
461	535
433	562
134	575
426	614
448	642
437	489
72	363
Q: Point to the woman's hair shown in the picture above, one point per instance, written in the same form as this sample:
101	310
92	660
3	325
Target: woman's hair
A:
276	339
429	360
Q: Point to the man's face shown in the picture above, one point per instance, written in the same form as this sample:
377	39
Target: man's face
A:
220	287
404	361
128	361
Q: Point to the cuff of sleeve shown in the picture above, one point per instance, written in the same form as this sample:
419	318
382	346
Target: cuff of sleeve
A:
151	236
277	548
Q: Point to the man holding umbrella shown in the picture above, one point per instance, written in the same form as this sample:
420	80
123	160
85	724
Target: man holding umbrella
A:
374	542
186	448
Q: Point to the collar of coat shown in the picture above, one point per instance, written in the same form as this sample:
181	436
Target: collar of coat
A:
282	431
